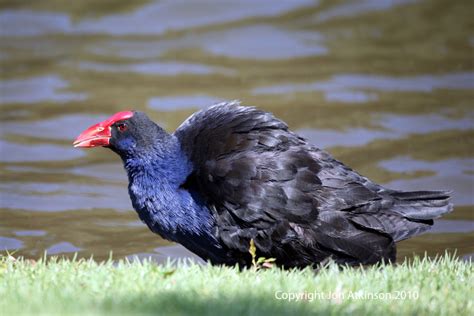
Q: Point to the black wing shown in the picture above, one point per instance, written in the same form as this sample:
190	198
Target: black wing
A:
266	183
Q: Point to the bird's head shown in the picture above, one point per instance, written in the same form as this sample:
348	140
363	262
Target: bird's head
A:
128	133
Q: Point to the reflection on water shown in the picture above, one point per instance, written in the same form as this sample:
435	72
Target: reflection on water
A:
60	127
280	43
12	152
62	247
452	226
392	127
182	102
420	124
112	172
30	233
394	102
39	89
352	87
182	14
357	7
57	197
159	68
456	172
136	49
31	23
10	243
171	14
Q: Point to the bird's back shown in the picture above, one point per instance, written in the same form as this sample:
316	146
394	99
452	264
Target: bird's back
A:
299	205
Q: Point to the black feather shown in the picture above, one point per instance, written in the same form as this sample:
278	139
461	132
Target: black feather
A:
294	199
231	174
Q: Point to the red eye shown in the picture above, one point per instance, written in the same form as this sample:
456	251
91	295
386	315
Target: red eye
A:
122	127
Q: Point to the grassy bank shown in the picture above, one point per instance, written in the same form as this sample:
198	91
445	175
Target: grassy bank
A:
425	286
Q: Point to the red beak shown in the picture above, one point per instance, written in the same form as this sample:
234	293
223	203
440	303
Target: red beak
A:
96	135
99	134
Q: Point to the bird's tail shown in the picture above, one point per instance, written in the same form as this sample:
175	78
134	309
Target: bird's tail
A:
422	205
419	209
407	215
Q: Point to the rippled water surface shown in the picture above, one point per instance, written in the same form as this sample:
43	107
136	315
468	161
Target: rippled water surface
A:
386	86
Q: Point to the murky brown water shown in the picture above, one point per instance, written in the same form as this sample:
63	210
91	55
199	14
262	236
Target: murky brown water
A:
386	86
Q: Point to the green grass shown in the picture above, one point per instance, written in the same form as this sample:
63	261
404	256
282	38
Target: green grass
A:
443	286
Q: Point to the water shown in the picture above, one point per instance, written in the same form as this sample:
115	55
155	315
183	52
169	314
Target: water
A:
386	86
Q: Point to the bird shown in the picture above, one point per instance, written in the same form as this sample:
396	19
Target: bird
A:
232	176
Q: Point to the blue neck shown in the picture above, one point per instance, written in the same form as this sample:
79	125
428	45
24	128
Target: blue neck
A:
155	180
